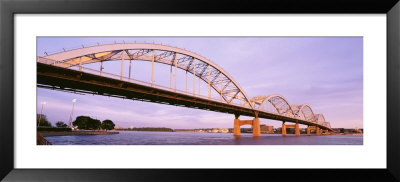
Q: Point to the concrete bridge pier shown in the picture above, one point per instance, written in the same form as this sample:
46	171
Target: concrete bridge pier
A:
236	126
255	123
295	126
256	127
317	130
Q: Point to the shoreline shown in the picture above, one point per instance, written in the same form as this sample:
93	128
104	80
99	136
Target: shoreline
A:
72	133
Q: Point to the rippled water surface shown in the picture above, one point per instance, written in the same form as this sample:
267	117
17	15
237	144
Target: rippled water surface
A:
188	138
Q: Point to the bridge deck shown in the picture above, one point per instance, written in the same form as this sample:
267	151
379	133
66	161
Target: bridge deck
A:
53	77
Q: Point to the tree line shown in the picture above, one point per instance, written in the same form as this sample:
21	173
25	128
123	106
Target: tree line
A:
88	123
82	122
41	121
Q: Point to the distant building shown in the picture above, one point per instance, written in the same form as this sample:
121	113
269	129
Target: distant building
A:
198	130
266	129
338	130
290	130
246	130
118	127
224	130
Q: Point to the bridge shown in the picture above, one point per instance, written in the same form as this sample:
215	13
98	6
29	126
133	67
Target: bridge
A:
65	71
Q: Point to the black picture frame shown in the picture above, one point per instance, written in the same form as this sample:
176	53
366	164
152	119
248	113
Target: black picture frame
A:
9	8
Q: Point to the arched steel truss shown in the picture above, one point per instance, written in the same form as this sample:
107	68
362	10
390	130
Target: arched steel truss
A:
304	111
283	108
278	102
321	120
201	67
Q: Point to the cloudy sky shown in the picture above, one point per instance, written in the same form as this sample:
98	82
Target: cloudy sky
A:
324	72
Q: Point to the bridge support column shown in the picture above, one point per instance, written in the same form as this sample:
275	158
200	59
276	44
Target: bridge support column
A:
297	129
255	123
256	127
283	129
318	131
236	126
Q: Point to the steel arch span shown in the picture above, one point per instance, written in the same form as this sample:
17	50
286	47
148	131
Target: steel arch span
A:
197	65
278	102
305	112
320	119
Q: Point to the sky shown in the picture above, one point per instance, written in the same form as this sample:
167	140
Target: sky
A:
324	72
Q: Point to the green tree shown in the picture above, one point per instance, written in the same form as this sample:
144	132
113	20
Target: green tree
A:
43	120
87	123
61	124
94	124
81	122
107	125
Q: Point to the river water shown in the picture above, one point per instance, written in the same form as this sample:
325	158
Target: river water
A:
189	138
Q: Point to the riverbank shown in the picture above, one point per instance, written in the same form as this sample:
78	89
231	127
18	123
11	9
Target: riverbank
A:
40	140
70	133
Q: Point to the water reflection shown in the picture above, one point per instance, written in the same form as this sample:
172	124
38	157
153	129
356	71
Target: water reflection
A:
186	138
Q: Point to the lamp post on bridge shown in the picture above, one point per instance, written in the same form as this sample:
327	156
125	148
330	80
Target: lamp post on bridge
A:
41	110
72	112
